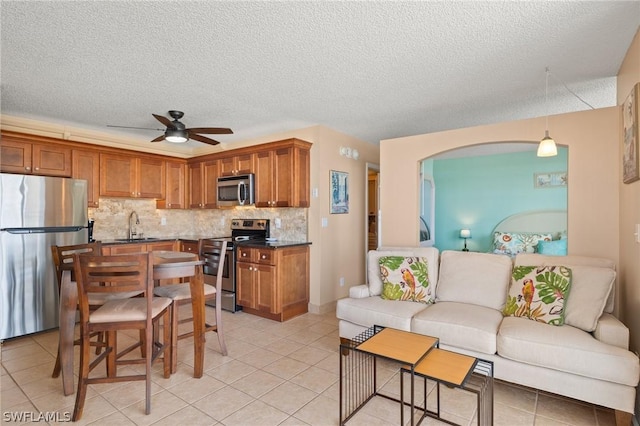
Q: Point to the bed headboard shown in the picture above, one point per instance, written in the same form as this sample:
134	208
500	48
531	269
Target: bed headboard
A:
535	221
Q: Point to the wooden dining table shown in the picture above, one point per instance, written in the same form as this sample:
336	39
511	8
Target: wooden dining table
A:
168	266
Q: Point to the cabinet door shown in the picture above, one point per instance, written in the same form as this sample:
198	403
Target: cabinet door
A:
267	297
246	285
15	157
227	166
117	175
150	178
236	165
283	195
211	174
195	175
244	164
176	186
302	176
48	160
264	178
86	165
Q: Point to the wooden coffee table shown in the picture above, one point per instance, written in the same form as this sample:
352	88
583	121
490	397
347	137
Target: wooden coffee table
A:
455	370
358	370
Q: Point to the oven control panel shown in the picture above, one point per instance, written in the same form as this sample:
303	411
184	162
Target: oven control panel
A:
257	224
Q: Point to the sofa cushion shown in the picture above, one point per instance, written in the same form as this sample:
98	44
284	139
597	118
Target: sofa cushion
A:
374	310
567	349
405	278
373	267
539	293
571	262
461	325
476	278
591	289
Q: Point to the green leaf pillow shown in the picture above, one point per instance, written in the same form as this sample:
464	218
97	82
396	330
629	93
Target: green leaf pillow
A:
405	278
539	293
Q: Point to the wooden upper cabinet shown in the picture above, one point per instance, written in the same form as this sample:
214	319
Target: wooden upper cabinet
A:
22	156
86	165
237	165
131	177
151	178
282	177
203	184
176	187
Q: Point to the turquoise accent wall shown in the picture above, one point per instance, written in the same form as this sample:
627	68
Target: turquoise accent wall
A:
479	192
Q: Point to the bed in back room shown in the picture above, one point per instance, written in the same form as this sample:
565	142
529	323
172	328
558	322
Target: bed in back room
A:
536	231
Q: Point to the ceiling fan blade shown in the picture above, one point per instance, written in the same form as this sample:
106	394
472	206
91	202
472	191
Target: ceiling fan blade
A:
211	130
129	127
159	138
164	120
203	139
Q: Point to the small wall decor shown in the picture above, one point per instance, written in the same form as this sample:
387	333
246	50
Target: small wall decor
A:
630	136
339	192
550	180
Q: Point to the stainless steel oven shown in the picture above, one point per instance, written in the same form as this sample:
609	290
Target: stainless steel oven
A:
241	230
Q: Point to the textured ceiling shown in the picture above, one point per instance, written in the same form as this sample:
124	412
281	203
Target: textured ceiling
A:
372	70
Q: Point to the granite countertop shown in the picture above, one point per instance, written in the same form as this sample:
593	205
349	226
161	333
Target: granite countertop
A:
272	244
193	238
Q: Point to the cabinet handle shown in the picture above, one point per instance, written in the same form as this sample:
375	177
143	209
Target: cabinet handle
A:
27	168
264	256
244	254
251	268
37	168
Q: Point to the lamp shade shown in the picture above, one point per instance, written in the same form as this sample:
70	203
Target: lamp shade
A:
465	233
547	147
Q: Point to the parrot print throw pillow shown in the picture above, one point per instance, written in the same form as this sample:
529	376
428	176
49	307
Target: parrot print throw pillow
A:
539	293
405	278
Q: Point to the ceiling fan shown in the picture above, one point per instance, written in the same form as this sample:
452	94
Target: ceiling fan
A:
176	131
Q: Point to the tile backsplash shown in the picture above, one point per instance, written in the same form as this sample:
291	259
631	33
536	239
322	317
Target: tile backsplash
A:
112	220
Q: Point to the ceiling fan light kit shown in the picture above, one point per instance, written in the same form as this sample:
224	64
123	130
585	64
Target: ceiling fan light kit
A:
175	136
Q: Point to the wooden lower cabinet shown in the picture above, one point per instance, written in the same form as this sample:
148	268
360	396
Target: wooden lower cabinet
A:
273	282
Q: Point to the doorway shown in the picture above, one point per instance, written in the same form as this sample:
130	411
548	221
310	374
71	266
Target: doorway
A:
372	207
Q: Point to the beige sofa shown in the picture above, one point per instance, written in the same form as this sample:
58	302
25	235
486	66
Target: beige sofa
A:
587	358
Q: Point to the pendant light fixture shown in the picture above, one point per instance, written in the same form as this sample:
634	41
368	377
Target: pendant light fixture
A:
547	147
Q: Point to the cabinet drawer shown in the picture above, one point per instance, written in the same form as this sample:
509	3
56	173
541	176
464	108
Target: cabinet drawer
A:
256	255
264	256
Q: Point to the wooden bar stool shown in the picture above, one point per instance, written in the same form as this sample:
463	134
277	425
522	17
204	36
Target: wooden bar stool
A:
212	253
117	275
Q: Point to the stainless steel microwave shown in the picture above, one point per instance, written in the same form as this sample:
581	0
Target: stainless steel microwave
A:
236	190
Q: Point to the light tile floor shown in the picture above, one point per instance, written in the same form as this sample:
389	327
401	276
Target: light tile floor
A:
275	374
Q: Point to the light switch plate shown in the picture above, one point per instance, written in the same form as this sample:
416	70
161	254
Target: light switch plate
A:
325	222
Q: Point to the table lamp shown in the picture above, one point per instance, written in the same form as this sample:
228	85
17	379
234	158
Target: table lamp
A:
465	233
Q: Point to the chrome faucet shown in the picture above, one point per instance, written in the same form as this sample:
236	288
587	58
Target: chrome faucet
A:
132	231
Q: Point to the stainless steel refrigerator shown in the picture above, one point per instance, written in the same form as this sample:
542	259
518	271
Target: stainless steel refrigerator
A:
36	212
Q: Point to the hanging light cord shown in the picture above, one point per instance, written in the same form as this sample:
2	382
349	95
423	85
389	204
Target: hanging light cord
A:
566	87
546	102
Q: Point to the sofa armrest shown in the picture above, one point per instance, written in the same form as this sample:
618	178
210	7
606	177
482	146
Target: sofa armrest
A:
611	331
359	291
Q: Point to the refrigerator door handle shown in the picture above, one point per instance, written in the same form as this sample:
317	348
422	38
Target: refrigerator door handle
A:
43	230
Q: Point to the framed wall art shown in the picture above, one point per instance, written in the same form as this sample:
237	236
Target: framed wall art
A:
339	192
550	180
630	136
